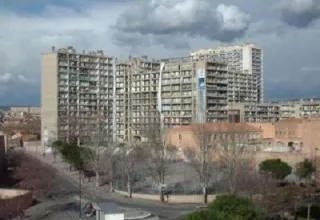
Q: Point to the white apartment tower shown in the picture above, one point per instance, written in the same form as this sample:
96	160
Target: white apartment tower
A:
246	58
77	95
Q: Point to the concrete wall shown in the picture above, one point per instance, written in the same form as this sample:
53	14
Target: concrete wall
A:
33	146
14	201
49	95
178	199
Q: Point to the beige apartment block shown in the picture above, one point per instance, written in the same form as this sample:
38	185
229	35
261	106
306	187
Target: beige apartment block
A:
136	97
181	91
246	58
299	108
77	95
253	112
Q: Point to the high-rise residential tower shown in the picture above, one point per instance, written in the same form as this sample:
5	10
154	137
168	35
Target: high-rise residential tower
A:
246	58
77	95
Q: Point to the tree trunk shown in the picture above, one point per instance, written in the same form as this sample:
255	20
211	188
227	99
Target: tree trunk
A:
205	195
98	179
129	189
161	194
231	186
111	188
309	210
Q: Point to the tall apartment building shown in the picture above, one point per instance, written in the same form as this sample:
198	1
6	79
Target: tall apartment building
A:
183	90
77	95
83	92
246	58
136	97
193	90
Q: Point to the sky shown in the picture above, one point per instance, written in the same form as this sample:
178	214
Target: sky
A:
288	31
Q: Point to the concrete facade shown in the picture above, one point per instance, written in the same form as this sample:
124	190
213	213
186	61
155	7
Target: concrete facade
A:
253	112
299	108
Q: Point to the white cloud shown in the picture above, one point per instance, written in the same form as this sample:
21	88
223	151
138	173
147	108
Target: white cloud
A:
6	77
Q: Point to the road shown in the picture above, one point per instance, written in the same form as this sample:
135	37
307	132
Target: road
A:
163	211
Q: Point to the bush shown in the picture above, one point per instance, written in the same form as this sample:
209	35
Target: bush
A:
71	153
229	207
276	167
305	169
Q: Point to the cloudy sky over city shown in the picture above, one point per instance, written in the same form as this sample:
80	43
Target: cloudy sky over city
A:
287	30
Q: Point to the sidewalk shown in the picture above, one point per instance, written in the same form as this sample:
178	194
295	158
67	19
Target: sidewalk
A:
92	192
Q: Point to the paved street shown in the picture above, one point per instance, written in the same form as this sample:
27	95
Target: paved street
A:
70	180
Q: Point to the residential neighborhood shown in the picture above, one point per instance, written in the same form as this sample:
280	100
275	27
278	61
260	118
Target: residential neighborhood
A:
159	110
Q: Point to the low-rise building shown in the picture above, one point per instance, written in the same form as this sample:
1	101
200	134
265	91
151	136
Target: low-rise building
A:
32	110
221	134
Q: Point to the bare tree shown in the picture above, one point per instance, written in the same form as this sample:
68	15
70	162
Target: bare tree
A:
159	155
97	153
130	155
237	151
201	159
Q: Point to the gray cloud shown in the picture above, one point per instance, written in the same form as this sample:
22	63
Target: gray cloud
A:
192	18
299	13
136	41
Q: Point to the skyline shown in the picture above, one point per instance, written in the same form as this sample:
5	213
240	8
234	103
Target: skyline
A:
286	31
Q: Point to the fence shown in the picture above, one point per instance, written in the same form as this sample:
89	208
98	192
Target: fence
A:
177	193
172	189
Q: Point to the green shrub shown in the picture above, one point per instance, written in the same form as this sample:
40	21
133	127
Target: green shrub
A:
276	167
229	207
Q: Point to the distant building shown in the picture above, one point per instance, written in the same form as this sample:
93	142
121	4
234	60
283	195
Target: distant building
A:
299	108
31	110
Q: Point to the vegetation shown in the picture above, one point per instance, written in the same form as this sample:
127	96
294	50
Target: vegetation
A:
71	153
305	169
276	167
229	207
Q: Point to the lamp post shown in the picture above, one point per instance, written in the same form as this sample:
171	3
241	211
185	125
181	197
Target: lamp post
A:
315	163
80	207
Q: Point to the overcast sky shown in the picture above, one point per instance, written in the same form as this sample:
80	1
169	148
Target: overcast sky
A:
287	30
